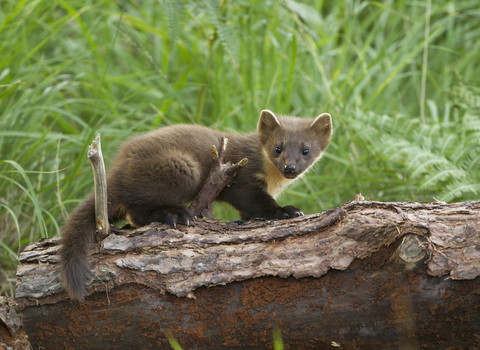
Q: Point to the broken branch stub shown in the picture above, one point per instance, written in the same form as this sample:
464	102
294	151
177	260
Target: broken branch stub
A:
100	178
221	175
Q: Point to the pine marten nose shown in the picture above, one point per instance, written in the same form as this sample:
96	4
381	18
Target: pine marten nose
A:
290	169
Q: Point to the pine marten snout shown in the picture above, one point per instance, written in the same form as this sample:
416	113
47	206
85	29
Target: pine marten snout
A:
155	175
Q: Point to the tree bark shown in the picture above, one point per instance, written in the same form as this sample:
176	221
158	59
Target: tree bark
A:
387	288
12	335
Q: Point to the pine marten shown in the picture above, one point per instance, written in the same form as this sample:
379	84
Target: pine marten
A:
156	174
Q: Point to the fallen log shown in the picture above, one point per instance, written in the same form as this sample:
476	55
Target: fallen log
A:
364	275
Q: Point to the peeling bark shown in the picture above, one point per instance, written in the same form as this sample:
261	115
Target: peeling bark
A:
12	335
391	293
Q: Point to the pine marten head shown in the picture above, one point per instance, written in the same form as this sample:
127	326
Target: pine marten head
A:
293	144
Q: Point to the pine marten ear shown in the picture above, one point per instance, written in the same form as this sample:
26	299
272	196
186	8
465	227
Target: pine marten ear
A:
322	127
268	125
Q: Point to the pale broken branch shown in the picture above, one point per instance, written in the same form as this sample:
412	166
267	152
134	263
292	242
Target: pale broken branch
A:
99	175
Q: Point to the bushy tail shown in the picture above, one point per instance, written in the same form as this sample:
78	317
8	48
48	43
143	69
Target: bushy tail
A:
78	234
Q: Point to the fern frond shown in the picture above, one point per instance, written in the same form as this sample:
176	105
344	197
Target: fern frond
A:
472	161
446	145
173	15
411	124
389	148
471	123
458	189
225	32
434	155
460	152
422	167
425	135
442	175
464	96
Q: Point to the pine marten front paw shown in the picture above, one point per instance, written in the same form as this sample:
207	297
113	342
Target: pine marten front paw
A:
175	215
292	212
288	212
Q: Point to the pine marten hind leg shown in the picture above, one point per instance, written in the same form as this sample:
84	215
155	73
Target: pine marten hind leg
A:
157	187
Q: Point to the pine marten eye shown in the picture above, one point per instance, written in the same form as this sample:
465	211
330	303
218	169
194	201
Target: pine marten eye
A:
278	150
306	151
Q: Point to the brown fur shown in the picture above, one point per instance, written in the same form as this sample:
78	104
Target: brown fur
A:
156	174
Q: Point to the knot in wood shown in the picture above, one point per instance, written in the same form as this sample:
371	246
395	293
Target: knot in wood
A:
412	248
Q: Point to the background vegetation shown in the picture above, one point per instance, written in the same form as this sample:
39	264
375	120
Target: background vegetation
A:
399	78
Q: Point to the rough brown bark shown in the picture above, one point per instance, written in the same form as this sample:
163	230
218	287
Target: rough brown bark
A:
12	335
392	294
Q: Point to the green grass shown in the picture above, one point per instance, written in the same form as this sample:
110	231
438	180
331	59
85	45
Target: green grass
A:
406	124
